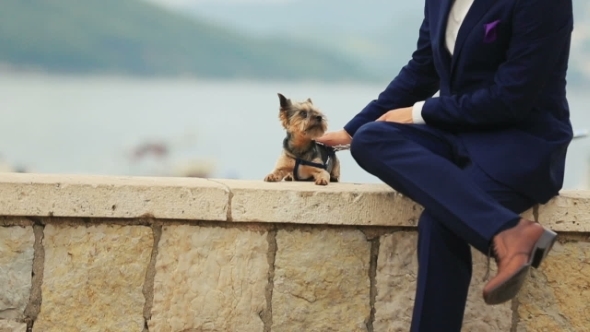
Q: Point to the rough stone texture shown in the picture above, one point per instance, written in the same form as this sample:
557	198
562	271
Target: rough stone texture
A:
480	317
568	212
305	202
15	221
112	197
16	266
321	281
395	282
34	305
210	279
12	326
529	214
556	296
93	278
397	266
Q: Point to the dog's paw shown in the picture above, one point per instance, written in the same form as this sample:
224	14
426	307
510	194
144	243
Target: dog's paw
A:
332	179
321	182
272	178
289	177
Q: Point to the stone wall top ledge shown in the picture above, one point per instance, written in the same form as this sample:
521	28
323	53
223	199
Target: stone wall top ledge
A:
568	212
112	196
125	197
335	204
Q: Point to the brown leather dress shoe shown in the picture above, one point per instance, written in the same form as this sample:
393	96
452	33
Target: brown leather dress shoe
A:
515	251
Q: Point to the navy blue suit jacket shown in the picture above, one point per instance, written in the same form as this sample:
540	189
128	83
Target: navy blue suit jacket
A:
503	92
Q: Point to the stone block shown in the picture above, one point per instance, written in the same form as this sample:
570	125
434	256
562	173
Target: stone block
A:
307	203
93	278
395	282
12	326
210	279
480	317
16	266
568	212
529	214
397	268
555	297
321	281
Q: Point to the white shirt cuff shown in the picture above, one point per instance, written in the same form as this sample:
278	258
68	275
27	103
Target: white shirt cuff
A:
417	112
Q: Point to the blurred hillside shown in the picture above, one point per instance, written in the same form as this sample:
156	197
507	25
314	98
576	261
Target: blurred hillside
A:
378	34
139	38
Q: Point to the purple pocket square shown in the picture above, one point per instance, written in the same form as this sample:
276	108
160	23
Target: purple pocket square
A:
491	33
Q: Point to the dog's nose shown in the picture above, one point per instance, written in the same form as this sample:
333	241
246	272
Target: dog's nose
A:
318	118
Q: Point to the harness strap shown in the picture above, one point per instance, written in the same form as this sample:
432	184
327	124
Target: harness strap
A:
299	161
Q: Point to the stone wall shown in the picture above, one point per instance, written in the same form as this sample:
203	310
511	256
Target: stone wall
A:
92	253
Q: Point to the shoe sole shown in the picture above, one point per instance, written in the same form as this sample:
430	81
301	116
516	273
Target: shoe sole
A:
542	247
506	291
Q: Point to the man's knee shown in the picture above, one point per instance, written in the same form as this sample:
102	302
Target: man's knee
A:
366	138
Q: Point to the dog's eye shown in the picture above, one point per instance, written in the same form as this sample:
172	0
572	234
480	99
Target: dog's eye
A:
303	114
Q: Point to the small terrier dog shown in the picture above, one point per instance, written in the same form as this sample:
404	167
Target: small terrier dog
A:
303	159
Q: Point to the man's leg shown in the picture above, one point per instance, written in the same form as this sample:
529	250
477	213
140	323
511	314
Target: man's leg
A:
445	266
391	152
444	274
444	271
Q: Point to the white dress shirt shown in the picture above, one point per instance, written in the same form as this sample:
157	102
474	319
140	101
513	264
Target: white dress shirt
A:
456	16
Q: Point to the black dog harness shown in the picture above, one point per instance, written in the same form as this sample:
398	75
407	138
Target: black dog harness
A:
327	152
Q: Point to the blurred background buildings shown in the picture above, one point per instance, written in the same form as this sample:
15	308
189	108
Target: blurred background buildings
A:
188	87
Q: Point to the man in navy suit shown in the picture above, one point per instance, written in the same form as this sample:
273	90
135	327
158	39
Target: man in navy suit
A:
490	146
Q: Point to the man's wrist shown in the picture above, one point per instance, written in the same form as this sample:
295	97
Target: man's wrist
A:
417	112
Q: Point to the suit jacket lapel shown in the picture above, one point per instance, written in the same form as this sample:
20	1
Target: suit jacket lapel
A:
474	15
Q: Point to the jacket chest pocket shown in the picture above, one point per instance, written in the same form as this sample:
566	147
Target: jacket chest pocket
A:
487	43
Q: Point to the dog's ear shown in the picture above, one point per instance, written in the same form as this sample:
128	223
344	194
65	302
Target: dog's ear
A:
285	103
309	100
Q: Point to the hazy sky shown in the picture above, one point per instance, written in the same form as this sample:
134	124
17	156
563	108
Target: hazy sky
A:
181	3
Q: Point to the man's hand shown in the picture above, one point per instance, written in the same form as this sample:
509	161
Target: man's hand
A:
333	138
341	137
400	115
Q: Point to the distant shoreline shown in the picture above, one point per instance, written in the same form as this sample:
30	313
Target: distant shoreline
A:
28	73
